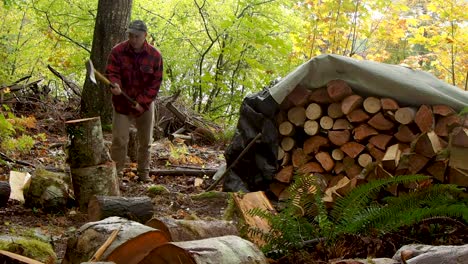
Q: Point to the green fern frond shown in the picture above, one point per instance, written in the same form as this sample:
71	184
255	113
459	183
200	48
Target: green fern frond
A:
356	201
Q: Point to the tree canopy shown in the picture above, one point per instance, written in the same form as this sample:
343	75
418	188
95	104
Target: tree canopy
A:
216	52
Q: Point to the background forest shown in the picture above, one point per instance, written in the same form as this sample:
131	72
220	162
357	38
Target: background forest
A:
218	51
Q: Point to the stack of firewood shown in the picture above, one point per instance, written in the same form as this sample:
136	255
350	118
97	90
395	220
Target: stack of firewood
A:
348	138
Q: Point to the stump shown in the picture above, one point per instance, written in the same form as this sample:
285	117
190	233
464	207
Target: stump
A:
185	230
89	238
95	180
86	143
138	209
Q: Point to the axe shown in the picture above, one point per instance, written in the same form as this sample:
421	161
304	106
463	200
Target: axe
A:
93	74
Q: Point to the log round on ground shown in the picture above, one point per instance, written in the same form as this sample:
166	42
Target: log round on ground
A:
187	230
5	191
138	209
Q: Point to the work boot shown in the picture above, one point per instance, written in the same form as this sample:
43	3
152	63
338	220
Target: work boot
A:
144	177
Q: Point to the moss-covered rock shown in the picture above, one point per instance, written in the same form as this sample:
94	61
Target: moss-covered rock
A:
29	247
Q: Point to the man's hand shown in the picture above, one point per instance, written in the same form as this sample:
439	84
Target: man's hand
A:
139	108
115	89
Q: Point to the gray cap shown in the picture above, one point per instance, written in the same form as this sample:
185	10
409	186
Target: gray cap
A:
136	27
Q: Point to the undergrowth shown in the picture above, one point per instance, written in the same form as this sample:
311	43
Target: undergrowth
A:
306	218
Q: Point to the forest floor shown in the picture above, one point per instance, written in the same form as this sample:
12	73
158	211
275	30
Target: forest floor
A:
180	202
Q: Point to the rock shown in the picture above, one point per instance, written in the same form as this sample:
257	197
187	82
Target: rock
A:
427	254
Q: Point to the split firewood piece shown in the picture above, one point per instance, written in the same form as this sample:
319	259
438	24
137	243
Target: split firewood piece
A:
313	111
381	173
443	110
391	158
445	124
280	153
326	122
286	159
314	143
320	95
363	131
248	201
285	174
389	104
416	162
437	169
372	105
424	118
375	152
405	134
138	209
337	154
458	176
311	127
299	96
353	170
428	144
378	121
286	128
460	137
339	167
352	149
297	116
357	116
458	157
330	193
325	160
341	124
338	90
339	137
185	230
334	110
380	141
299	158
310	167
364	159
351	103
279	190
344	190
405	115
288	143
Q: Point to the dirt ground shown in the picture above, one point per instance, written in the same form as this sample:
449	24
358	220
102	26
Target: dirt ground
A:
180	202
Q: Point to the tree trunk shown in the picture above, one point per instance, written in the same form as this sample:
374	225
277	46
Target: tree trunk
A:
112	19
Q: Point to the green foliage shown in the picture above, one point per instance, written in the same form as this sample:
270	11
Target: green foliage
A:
306	217
6	128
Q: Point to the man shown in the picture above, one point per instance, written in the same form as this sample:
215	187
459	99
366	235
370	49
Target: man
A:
135	68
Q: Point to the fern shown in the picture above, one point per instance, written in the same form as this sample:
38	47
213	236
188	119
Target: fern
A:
306	217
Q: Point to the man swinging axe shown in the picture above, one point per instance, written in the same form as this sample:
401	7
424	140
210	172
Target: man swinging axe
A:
135	71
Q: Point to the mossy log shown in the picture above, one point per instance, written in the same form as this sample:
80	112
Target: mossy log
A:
94	180
225	249
30	249
91	236
49	191
185	230
138	209
86	143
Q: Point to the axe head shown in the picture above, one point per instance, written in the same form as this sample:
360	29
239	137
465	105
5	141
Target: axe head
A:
90	71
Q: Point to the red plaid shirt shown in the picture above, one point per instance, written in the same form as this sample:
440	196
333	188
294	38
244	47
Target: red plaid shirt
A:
138	74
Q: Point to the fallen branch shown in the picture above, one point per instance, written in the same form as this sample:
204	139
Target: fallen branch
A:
6	158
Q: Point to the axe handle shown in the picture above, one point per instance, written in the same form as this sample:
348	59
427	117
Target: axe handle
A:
106	81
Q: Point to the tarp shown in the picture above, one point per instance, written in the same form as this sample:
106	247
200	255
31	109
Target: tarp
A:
257	168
